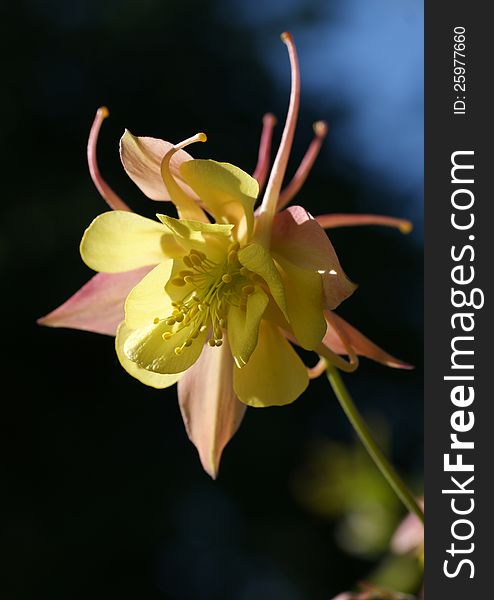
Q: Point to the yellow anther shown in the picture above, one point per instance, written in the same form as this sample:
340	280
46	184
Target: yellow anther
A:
167	335
178	350
178	282
170	321
226	278
195	260
218	343
184	274
197	253
179	318
212	342
187	261
156	320
188	279
188	343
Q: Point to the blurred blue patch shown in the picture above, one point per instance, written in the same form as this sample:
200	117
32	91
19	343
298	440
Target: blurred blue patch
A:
362	62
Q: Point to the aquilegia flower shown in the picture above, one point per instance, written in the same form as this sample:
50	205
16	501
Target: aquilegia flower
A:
217	306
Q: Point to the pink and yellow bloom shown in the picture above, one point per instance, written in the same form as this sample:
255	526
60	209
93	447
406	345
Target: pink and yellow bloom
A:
215	299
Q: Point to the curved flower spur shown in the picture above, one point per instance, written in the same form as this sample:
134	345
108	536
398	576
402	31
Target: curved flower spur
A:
221	294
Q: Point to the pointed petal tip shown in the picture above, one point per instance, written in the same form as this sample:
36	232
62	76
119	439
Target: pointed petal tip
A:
401	365
50	320
211	469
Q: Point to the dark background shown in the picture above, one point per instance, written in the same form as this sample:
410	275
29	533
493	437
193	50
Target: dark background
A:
105	495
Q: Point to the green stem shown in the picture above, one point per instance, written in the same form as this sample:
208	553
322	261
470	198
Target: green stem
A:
372	448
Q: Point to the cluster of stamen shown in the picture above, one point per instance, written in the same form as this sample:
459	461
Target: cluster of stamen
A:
215	286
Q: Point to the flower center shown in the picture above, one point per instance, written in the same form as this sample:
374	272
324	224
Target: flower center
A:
212	288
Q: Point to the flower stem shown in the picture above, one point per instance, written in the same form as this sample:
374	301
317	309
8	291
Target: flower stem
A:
368	441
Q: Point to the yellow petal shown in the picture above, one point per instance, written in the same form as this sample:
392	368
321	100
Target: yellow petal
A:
258	260
210	409
148	299
274	375
243	326
149	350
120	241
304	297
155	380
228	192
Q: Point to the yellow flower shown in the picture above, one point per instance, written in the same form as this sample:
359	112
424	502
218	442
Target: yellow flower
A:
216	306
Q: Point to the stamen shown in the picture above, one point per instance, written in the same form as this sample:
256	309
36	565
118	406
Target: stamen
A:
195	260
198	253
320	130
263	159
215	287
268	207
178	281
112	199
344	220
